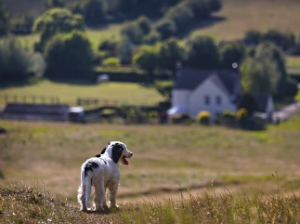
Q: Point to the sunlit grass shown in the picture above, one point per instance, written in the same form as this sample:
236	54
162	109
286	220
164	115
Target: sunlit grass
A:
24	204
68	93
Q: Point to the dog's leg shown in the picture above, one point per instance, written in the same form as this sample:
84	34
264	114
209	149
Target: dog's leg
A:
100	199
113	189
81	197
88	189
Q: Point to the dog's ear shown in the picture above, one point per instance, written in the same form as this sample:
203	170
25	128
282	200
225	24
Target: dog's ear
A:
98	155
117	152
103	151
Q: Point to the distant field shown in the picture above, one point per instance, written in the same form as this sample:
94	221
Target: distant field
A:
240	16
68	93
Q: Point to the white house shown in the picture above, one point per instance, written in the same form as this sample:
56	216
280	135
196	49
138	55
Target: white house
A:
199	90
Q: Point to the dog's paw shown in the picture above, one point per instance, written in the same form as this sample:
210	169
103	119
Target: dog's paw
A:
114	206
83	209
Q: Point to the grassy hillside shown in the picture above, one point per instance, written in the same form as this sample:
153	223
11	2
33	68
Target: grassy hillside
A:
232	176
165	157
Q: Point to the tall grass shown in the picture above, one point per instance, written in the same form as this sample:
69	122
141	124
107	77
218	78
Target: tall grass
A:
24	204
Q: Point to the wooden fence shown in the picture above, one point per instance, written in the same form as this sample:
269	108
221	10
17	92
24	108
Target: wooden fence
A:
31	99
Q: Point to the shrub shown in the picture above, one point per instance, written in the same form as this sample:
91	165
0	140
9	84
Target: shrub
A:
202	53
54	21
181	15
111	62
152	38
231	53
242	115
133	33
181	119
166	28
17	63
144	24
203	117
71	54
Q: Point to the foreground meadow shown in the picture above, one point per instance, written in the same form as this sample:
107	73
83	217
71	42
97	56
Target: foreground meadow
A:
178	174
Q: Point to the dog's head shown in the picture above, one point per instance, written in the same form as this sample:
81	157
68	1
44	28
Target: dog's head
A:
118	152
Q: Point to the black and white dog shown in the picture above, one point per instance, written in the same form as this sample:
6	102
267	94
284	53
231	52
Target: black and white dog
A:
102	172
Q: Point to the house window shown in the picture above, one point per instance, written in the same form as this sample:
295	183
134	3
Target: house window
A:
207	100
218	100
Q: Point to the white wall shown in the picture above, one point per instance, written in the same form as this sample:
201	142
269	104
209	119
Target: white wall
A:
180	97
196	101
270	106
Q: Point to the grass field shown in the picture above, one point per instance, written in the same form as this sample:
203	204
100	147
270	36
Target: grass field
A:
228	173
68	93
240	16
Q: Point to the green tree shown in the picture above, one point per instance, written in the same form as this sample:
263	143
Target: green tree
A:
54	4
259	75
165	88
144	24
166	28
202	53
93	12
169	53
56	20
69	55
17	63
231	53
181	15
215	5
4	20
133	33
146	58
125	51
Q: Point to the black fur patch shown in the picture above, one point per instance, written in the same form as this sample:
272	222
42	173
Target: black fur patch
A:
117	152
103	150
90	166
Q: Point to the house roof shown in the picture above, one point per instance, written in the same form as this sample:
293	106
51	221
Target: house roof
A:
189	79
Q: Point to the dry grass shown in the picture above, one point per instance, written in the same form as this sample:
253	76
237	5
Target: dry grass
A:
179	174
166	157
240	16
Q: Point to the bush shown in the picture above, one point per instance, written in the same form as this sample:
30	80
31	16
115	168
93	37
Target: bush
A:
166	28
144	24
69	54
200	8
203	117
231	53
152	38
111	62
181	119
242	115
17	63
133	33
181	15
54	21
202	53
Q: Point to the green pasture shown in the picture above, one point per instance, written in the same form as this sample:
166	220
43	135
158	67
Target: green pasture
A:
68	93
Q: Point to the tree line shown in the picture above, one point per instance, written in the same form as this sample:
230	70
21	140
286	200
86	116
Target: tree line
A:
64	51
